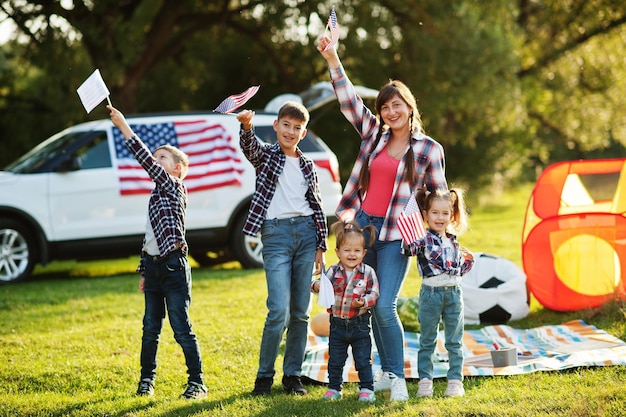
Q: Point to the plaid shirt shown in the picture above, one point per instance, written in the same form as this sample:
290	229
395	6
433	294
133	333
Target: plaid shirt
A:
429	159
269	162
363	284
433	258
167	205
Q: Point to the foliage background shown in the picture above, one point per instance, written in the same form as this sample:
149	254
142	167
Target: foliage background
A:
507	87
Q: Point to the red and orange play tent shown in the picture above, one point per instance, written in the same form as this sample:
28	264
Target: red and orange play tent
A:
574	236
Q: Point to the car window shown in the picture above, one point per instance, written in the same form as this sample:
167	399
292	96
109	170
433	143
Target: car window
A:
90	147
95	153
37	158
308	144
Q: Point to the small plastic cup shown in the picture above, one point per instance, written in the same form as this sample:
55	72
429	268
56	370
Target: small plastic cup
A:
504	357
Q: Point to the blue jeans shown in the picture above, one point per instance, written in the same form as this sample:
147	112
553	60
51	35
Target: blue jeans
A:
391	267
436	303
353	332
289	247
168	286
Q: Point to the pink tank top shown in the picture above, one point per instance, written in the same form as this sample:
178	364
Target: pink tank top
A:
383	171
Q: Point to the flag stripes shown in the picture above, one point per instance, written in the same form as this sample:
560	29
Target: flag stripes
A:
213	160
333	28
235	101
92	91
410	222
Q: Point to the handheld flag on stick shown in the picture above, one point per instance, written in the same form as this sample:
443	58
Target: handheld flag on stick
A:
334	29
410	222
326	296
92	91
235	101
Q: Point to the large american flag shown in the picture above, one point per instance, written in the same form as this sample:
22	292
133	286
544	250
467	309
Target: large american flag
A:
410	222
235	101
213	160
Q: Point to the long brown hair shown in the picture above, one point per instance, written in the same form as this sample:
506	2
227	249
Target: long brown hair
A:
394	88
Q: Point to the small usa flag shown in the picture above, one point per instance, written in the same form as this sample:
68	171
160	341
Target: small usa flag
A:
334	29
235	101
410	222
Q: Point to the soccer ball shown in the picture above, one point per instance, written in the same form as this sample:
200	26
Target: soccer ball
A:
494	291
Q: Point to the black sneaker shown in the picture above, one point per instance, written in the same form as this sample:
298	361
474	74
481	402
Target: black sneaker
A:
145	388
263	386
195	391
293	385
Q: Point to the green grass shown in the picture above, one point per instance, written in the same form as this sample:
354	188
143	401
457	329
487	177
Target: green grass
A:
70	338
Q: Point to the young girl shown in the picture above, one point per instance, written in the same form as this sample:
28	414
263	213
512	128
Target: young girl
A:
441	262
356	290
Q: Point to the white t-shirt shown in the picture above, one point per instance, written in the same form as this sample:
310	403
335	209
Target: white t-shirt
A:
151	247
289	199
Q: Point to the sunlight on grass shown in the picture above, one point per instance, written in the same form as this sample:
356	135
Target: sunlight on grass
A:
70	340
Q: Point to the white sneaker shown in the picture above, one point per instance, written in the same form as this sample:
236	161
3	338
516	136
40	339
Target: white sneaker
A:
454	389
425	388
383	380
398	390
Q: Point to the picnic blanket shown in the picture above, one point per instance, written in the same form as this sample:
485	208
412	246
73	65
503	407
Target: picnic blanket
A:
545	348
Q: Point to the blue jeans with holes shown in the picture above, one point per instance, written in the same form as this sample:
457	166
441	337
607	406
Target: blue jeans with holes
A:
289	247
354	332
435	304
167	286
391	267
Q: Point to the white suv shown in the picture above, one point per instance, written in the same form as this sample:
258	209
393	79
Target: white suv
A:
65	199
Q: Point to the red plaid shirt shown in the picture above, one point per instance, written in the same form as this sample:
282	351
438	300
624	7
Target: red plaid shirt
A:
428	153
167	205
269	162
363	284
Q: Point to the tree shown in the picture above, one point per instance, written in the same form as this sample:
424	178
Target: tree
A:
507	86
573	76
154	55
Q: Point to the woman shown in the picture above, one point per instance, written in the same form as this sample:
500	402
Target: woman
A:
395	160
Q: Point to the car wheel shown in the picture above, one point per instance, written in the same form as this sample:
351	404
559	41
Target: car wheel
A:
17	252
248	250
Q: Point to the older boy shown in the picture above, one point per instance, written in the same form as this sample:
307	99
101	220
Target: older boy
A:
165	272
287	209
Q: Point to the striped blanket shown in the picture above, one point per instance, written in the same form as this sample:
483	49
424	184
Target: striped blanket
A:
545	348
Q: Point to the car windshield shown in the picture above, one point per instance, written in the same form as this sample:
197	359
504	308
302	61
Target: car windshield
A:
37	157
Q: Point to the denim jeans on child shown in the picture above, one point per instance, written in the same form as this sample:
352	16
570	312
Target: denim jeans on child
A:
391	267
353	332
168	286
289	247
436	303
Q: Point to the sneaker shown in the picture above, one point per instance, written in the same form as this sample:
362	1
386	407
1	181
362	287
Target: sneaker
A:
425	388
366	395
398	390
263	386
293	385
383	380
454	389
331	394
194	391
145	388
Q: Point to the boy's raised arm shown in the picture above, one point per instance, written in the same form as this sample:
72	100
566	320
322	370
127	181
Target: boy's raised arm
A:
119	121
